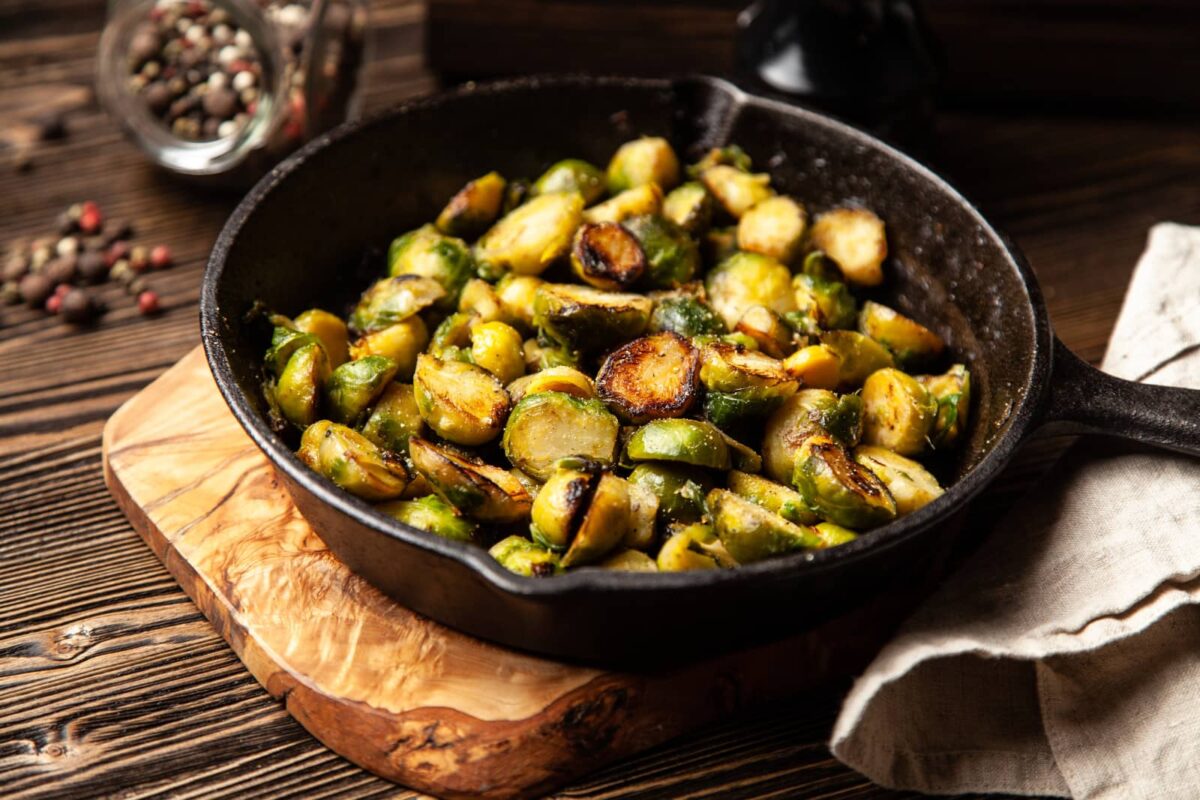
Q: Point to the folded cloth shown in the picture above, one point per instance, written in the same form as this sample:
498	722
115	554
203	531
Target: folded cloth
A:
1063	658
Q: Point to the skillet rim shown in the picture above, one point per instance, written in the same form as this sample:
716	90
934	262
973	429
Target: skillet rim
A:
1021	420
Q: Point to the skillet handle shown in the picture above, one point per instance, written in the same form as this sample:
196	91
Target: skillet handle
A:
1082	399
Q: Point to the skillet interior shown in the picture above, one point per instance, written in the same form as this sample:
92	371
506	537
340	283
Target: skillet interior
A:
298	240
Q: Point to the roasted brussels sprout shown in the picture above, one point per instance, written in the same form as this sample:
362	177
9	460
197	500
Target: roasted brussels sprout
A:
819	265
643	517
607	256
432	515
567	380
497	348
855	239
298	391
687	316
910	342
355	385
749	279
693	547
817	366
606	522
671	255
773	227
479	299
808	412
285	340
912	486
584	511
401	343
752	533
547	426
428	253
645	199
767	329
583	318
952	391
394	419
832	535
532	236
839	489
572	175
735	190
741	383
351	461
830	302
516	293
518	554
648	160
650	378
686	441
539	356
629	561
330	332
719	244
560	504
474	208
680	489
689	206
393	300
774	497
461	402
477	489
898	412
858	356
731	155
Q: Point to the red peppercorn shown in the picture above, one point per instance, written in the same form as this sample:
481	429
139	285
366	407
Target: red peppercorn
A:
160	257
62	289
118	250
90	218
148	303
54	303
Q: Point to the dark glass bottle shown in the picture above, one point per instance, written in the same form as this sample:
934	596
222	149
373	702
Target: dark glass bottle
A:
868	61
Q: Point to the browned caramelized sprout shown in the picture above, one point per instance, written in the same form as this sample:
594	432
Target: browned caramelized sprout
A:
650	378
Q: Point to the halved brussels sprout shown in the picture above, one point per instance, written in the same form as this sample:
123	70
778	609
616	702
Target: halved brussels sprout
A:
402	343
572	175
516	293
768	330
858	356
680	489
539	356
832	535
808	412
629	561
650	378
719	244
645	199
837	488
607	256
474	208
749	279
685	441
731	155
518	554
298	390
284	342
898	412
689	206
532	236
394	419
855	239
735	190
728	410
479	490
643	516
479	298
687	316
671	255
393	300
752	533
547	426
583	318
605	523
330	330
647	160
355	385
909	341
497	348
819	265
729	368
461	402
817	366
351	461
567	380
432	515
829	301
428	253
693	547
911	485
560	504
773	227
952	391
774	497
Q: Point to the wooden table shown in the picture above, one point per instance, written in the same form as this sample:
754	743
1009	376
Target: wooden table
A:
111	681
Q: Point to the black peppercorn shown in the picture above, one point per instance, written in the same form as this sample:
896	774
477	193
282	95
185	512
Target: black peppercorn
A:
35	288
77	306
92	268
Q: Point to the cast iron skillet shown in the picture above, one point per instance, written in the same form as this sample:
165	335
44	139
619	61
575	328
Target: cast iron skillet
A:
297	241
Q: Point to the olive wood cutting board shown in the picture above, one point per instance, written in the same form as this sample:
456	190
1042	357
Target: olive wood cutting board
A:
395	692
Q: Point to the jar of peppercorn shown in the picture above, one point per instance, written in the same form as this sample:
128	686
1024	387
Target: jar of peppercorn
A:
223	89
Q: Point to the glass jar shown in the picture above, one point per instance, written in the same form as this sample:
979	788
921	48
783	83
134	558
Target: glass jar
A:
223	89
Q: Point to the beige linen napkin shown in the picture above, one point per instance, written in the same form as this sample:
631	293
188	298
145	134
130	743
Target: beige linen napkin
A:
1063	658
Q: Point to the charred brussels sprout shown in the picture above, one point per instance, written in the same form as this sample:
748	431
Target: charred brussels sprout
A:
645	199
741	383
629	561
461	402
774	497
605	523
393	300
689	206
774	227
427	253
355	385
330	331
671	255
532	236
298	390
749	279
752	533
584	511
479	298
855	239
583	318
649	160
912	486
351	461
394	419
516	293
858	356
898	412
650	378
735	190
767	329
548	426
607	256
567	380
497	348
686	441
401	343
839	489
474	208
804	414
910	342
572	175
680	489
687	316
518	554
559	504
829	301
479	490
432	515
952	391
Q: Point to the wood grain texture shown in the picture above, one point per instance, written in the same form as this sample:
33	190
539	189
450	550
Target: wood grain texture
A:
111	682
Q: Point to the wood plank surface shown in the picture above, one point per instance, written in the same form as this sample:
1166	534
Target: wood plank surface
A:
111	682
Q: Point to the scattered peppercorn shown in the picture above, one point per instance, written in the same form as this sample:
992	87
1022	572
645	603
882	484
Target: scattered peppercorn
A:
160	257
53	303
92	267
148	303
35	288
139	259
77	306
61	269
90	218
